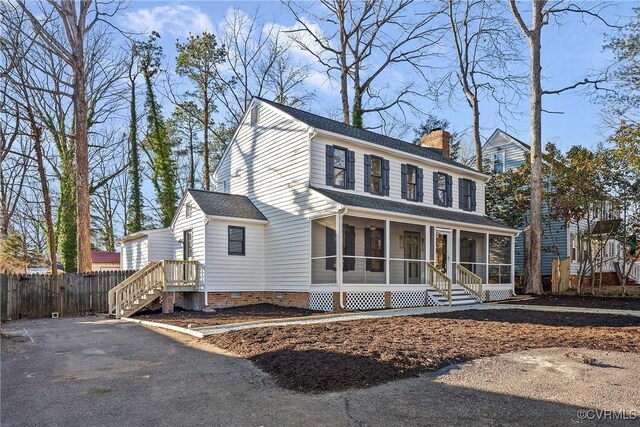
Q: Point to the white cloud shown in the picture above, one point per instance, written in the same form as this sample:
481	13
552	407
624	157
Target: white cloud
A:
174	20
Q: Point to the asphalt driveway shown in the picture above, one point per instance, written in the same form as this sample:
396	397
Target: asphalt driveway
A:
99	372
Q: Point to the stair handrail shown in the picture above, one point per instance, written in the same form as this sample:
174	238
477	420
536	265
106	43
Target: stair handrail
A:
469	281
440	281
135	286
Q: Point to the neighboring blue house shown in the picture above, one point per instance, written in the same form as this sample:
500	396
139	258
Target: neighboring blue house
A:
504	152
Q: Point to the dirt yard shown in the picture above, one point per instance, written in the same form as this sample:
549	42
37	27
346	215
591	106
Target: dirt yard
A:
616	303
336	356
225	316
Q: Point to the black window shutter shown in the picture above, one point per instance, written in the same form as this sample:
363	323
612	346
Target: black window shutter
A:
436	199
351	170
330	248
385	177
449	190
367	173
473	196
349	264
403	183
419	186
461	193
367	246
330	165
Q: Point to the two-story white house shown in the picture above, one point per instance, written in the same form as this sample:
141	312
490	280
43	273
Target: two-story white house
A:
311	212
502	152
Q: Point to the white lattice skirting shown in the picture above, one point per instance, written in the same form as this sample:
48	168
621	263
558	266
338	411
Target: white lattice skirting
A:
431	299
402	299
322	301
497	294
365	300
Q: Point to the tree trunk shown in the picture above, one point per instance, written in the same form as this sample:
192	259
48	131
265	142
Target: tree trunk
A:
534	285
36	132
83	206
476	132
135	210
344	70
205	115
192	166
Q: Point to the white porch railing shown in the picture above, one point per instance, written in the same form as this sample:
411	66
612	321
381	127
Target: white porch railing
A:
439	281
470	281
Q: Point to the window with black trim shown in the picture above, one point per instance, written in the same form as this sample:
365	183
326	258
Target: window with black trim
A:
339	167
467	194
442	189
236	240
376	175
412	183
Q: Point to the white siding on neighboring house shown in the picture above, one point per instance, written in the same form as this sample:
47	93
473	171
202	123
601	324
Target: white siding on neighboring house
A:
318	173
196	223
134	254
162	245
269	163
235	272
513	153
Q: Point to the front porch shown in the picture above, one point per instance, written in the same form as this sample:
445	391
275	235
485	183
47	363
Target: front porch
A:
387	262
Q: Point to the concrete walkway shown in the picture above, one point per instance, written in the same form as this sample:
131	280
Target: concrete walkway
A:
345	317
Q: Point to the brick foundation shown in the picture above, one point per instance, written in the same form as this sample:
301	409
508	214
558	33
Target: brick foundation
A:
196	301
608	279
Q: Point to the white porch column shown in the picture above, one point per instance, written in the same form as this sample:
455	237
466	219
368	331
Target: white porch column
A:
387	249
427	249
513	265
339	250
486	258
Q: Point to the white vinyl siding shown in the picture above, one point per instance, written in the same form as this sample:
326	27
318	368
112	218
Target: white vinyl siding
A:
269	163
318	173
196	223
230	273
154	246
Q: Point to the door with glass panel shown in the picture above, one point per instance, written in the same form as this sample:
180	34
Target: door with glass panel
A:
411	252
442	254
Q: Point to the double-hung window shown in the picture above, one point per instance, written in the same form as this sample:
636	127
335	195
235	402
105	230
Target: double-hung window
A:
498	162
339	167
236	240
412	183
467	194
376	175
187	244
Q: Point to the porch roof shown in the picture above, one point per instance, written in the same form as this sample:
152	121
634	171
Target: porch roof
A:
360	201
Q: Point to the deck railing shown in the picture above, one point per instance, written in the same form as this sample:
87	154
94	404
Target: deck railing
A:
161	275
470	281
439	281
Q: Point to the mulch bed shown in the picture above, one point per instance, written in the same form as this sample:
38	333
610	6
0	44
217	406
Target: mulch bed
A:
616	303
343	355
224	316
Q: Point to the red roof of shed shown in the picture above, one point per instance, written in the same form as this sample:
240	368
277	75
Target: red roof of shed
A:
105	257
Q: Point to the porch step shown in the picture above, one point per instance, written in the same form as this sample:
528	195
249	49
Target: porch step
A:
459	296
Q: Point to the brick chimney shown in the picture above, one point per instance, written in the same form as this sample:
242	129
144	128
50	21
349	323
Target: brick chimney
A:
440	139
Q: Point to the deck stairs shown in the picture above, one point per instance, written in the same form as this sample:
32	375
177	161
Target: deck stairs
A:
147	284
442	291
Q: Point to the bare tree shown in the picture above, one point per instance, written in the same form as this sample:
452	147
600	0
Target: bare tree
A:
360	41
486	45
66	29
542	12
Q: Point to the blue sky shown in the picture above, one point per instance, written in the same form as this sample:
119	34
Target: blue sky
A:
570	52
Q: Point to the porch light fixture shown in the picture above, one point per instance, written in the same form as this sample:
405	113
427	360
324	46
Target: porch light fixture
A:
372	227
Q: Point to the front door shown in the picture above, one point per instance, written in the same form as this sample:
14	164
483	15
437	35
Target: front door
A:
411	251
443	252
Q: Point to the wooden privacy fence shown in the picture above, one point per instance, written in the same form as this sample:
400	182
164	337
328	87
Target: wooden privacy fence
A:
560	275
39	295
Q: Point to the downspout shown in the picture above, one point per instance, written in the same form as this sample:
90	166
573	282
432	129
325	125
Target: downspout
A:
206	291
339	262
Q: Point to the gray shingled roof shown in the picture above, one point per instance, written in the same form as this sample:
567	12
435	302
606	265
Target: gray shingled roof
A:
222	204
340	128
360	201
